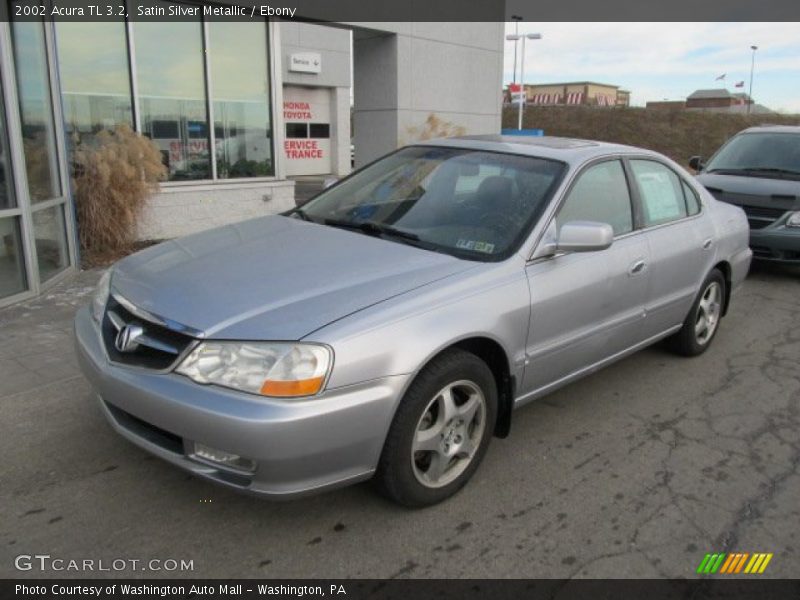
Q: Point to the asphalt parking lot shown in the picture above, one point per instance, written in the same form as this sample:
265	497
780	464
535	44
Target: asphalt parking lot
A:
636	471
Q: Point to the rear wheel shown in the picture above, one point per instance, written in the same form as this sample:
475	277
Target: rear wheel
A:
702	323
440	432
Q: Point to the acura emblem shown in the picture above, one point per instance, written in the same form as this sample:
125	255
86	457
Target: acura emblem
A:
127	338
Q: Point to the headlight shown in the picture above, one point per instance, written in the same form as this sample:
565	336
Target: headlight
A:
793	220
277	369
101	296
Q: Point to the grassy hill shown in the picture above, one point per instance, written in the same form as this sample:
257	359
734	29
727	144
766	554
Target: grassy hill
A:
679	134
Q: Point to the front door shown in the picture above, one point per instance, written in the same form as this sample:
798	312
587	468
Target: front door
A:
587	306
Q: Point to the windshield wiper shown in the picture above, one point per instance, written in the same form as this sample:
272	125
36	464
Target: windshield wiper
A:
748	170
772	170
373	228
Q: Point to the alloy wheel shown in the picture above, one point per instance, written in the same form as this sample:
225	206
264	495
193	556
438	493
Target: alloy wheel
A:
448	434
708	313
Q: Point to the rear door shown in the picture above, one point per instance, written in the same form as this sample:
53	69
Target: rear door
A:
587	306
681	240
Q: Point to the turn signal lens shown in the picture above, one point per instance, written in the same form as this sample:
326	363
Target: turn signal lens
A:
283	389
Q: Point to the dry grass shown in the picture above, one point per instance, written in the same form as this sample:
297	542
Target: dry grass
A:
679	134
114	175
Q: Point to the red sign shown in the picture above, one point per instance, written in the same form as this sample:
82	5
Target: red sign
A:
302	149
297	111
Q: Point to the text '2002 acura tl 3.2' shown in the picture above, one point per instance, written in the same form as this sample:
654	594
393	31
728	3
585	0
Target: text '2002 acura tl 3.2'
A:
388	328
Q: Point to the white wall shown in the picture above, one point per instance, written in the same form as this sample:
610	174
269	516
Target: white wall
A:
180	210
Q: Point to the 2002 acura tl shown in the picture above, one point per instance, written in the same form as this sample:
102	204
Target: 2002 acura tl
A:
389	327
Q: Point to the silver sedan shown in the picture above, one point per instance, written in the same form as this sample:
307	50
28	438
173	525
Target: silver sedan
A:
388	328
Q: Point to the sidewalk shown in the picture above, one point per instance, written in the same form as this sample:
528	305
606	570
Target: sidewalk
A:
36	337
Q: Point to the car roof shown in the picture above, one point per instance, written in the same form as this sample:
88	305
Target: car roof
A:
772	129
570	150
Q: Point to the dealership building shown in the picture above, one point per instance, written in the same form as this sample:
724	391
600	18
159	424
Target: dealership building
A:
237	108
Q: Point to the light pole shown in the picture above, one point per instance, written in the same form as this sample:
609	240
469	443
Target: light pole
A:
516	19
752	67
524	95
514	37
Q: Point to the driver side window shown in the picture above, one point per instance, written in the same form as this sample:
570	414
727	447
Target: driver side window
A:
600	194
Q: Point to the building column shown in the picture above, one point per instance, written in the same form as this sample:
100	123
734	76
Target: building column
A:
340	131
375	81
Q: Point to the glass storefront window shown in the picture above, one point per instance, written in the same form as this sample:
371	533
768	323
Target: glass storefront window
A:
241	98
35	110
7	196
12	264
172	93
95	81
51	241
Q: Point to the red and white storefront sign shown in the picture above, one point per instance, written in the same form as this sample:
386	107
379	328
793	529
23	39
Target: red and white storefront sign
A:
307	122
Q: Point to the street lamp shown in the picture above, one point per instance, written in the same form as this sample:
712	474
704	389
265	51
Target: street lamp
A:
524	95
516	19
752	66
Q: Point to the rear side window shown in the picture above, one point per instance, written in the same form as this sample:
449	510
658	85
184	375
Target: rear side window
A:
600	194
661	190
692	201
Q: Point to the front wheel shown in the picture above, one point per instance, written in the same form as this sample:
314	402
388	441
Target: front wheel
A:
702	323
440	432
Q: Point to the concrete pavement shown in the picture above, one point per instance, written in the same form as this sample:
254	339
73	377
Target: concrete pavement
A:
636	471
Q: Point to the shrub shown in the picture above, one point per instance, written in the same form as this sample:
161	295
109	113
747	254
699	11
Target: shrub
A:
115	172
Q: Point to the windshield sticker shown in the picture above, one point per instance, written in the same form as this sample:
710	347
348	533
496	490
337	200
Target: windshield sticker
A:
484	247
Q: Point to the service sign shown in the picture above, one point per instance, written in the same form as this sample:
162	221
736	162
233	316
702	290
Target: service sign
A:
305	62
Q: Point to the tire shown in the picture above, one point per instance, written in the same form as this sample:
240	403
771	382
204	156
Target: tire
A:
440	432
702	322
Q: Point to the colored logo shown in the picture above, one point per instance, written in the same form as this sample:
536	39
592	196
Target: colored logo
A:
734	563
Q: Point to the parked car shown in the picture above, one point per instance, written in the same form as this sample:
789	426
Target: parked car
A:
387	328
759	170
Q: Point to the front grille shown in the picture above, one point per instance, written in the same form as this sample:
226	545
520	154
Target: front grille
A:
157	347
761	216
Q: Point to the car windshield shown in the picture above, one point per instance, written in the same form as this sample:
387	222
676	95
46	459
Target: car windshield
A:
472	204
767	154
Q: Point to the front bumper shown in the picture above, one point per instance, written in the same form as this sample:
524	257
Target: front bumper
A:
299	446
778	244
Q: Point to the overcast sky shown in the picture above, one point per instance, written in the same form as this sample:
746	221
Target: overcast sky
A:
658	61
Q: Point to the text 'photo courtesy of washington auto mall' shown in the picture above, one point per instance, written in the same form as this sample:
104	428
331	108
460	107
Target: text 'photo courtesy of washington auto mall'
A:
351	300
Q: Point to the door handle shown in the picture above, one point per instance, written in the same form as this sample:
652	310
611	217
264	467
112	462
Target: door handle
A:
637	267
707	244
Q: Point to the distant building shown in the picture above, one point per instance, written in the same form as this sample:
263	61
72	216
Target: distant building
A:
583	93
712	100
666	105
716	98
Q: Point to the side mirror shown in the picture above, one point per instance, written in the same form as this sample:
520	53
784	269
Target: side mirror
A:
328	182
696	162
585	236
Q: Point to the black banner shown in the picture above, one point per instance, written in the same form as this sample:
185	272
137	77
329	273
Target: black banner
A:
407	10
465	589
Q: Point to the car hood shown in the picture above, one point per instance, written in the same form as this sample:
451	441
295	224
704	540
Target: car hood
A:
752	190
273	278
